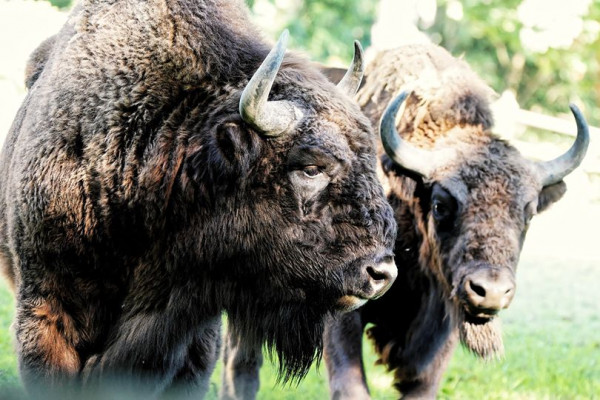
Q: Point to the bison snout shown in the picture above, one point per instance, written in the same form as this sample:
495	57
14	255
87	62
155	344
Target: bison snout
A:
367	280
488	291
381	276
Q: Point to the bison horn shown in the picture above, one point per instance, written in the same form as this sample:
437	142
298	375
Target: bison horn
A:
272	118
555	170
351	80
409	157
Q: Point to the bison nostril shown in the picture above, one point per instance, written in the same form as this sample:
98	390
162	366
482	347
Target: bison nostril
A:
477	289
378	276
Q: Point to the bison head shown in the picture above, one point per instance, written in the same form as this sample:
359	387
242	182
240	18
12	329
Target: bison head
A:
479	195
298	223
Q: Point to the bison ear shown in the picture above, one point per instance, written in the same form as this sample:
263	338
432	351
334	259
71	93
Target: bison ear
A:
551	194
231	150
235	144
228	140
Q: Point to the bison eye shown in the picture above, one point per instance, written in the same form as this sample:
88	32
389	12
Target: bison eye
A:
440	211
312	171
443	205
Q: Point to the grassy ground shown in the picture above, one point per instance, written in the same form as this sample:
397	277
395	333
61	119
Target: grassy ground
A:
552	340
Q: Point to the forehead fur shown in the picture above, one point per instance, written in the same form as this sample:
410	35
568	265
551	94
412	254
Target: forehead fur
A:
457	97
486	168
336	113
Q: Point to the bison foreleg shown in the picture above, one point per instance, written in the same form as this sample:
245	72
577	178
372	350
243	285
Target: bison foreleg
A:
46	346
343	357
146	354
241	370
193	379
427	384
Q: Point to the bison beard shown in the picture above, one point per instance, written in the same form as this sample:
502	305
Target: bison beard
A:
484	338
148	185
292	330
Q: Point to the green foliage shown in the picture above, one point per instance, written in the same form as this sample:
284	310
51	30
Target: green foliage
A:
488	36
326	29
62	4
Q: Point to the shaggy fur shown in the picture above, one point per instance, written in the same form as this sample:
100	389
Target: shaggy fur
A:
416	325
137	205
492	192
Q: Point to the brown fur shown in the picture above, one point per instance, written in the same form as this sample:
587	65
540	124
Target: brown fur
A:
56	347
497	191
417	324
137	205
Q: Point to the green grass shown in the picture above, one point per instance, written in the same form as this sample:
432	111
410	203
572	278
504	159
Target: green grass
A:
551	334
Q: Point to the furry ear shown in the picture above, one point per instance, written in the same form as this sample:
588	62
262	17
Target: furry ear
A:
236	145
224	160
551	194
230	151
228	140
225	151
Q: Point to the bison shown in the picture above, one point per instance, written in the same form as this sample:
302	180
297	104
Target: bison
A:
463	200
165	167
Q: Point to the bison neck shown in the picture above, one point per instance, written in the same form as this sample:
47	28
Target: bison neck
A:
413	321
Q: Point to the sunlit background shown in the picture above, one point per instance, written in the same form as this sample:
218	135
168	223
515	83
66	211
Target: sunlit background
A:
538	55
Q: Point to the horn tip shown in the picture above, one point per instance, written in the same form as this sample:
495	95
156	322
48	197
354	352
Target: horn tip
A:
359	54
574	108
283	38
399	100
389	115
358	47
580	119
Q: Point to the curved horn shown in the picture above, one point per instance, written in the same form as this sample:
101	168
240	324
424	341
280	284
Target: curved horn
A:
399	150
351	80
554	171
272	118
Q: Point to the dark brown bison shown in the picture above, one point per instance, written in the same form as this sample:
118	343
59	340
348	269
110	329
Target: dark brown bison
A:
463	200
157	174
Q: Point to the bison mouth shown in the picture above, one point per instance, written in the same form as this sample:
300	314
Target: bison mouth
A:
350	302
366	279
477	315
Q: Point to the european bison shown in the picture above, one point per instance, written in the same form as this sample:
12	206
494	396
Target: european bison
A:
463	200
157	174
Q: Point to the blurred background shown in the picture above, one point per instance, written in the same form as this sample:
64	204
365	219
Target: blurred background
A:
539	56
